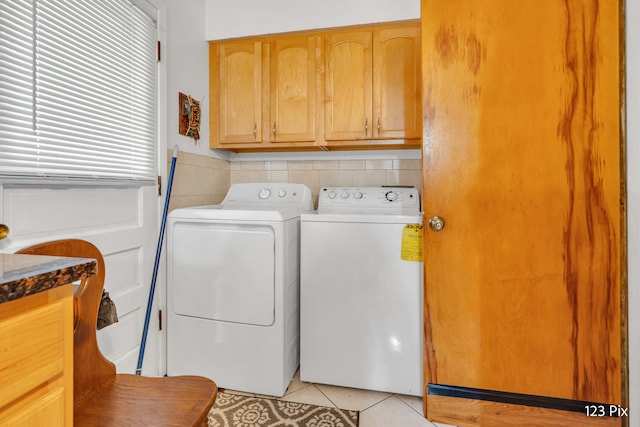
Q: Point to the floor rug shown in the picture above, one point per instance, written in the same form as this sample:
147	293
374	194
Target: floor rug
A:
231	410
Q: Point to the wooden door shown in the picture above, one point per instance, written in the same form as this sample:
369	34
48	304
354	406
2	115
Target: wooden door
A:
236	78
348	86
396	83
294	65
522	149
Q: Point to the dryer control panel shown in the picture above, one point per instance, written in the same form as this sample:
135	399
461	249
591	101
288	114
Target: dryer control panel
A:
373	200
269	194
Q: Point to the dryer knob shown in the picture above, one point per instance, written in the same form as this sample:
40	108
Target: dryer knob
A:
391	196
344	195
264	193
358	195
332	194
282	193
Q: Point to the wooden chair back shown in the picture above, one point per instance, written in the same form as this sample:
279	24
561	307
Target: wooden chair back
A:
107	399
90	367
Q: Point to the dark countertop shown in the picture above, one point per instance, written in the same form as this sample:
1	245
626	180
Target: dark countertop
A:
23	275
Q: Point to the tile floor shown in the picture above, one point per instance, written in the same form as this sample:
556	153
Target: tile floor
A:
377	409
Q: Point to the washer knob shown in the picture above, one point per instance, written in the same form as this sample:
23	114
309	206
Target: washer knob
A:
391	196
344	195
264	193
332	194
282	193
358	195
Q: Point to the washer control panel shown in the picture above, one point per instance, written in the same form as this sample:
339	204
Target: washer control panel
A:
385	200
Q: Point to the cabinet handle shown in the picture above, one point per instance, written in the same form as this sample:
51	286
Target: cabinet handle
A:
255	131
273	130
366	126
378	126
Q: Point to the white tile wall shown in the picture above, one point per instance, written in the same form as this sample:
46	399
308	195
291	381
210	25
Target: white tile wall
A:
202	180
198	180
323	173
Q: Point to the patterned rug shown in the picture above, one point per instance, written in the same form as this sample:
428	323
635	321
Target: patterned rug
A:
231	410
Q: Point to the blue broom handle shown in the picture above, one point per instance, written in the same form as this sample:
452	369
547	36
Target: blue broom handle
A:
145	329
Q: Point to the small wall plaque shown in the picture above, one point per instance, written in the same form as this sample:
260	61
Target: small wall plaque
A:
188	116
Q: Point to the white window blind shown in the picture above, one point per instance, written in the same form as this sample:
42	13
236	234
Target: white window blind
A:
78	85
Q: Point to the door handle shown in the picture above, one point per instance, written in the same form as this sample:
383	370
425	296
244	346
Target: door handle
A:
4	231
436	223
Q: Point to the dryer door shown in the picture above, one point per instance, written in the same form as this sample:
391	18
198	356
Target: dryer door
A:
222	272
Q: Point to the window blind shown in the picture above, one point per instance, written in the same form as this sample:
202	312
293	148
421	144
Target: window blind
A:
78	90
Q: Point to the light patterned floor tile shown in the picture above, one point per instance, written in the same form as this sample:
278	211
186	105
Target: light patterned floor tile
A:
392	412
351	398
310	395
377	409
296	384
414	401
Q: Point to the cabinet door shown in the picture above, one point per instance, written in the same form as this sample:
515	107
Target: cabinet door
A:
396	83
348	86
36	359
240	92
293	89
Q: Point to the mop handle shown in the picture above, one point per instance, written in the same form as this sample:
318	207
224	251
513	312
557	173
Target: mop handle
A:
145	329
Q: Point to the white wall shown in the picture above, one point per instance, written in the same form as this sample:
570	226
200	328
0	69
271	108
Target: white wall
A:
238	18
633	199
186	56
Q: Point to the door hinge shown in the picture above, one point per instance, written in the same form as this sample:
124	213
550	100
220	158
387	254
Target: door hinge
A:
158	50
159	320
159	185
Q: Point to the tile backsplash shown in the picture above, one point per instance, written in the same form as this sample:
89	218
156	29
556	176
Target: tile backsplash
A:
201	180
317	174
198	180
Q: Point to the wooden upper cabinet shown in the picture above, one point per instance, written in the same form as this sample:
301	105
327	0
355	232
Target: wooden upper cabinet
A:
373	84
348	85
356	88
397	82
294	65
237	84
265	91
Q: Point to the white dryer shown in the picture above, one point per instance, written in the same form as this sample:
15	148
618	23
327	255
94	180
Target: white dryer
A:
361	290
233	288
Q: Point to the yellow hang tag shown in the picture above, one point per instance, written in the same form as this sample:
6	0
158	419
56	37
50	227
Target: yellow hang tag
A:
412	243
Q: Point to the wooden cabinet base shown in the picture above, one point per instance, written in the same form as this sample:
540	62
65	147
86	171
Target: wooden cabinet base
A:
469	412
36	359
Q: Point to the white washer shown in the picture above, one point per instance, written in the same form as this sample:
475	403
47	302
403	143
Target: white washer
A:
233	288
361	303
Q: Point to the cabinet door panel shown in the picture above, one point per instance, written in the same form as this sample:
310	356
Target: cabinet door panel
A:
36	359
293	87
240	79
47	410
348	87
396	71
